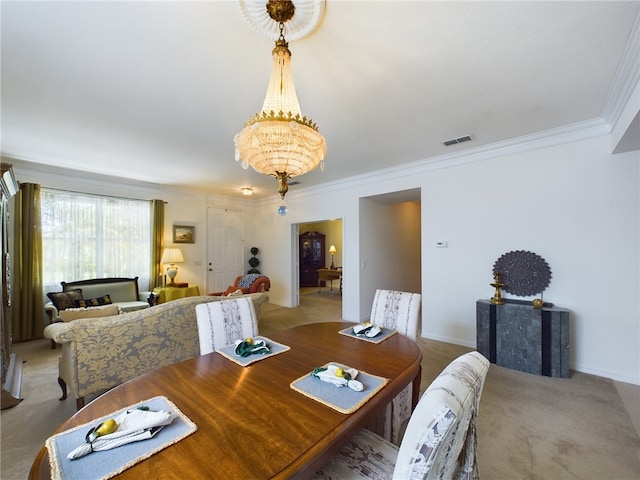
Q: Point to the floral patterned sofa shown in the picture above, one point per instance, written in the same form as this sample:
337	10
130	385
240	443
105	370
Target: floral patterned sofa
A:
101	353
118	291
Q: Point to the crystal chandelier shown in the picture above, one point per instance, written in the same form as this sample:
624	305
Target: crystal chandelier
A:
280	141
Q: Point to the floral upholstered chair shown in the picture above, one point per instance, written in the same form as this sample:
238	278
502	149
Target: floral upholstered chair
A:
441	438
222	323
243	284
398	311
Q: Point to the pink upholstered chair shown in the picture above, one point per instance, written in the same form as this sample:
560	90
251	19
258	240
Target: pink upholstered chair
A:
441	438
399	311
223	322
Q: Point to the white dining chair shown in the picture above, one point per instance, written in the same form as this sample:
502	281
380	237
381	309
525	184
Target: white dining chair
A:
441	438
398	311
223	322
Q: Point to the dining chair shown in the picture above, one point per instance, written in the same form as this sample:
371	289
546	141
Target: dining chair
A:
441	438
223	322
398	311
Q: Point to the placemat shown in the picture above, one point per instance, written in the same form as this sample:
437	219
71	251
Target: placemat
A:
384	334
275	349
108	463
342	399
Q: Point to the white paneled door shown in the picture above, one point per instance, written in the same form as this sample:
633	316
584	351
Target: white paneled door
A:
225	248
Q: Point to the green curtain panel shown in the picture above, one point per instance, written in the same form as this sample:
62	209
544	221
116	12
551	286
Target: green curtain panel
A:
28	294
157	238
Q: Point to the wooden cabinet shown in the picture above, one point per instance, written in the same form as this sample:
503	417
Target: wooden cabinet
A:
311	257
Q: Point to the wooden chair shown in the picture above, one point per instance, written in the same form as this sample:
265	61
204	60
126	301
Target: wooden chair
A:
223	322
441	438
398	311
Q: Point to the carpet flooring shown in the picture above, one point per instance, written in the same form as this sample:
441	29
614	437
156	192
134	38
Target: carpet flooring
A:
529	427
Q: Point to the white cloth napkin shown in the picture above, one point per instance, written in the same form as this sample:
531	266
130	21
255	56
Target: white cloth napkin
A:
367	329
133	426
329	375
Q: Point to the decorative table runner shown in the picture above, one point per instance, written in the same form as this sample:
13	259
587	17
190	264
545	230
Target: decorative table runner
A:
108	463
342	399
275	349
384	334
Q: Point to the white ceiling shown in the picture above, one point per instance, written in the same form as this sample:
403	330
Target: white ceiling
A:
156	90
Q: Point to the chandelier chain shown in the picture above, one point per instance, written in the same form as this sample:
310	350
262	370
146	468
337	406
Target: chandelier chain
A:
279	140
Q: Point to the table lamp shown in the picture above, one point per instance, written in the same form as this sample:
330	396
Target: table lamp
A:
172	256
332	251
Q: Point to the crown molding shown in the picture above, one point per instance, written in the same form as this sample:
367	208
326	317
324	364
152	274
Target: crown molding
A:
79	181
548	138
567	134
626	78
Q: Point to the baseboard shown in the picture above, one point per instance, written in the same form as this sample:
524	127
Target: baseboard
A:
578	368
606	374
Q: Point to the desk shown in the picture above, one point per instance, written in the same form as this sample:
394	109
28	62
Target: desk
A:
251	423
329	275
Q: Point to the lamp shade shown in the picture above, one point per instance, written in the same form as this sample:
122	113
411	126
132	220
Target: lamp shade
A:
332	249
172	255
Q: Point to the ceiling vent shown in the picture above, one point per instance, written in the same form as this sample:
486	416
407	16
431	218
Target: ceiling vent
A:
466	138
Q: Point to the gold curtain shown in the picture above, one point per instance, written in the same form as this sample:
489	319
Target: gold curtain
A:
157	242
28	301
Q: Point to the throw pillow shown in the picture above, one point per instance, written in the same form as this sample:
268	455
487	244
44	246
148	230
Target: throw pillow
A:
71	314
64	300
93	302
231	290
234	293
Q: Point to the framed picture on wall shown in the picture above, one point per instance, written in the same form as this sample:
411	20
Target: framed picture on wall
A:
184	234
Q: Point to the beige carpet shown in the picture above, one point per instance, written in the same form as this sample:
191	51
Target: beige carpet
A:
530	427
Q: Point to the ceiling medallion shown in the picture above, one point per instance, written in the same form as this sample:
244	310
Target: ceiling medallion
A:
308	14
522	273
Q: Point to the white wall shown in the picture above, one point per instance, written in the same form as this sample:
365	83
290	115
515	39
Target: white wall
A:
573	204
405	250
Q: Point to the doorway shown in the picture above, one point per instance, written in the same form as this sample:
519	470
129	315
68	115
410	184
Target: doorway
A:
390	247
315	241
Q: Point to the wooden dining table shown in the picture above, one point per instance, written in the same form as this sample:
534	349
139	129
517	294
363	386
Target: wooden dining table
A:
250	423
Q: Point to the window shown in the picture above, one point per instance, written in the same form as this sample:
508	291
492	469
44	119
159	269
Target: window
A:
91	236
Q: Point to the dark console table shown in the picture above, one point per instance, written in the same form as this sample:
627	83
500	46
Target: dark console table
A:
517	336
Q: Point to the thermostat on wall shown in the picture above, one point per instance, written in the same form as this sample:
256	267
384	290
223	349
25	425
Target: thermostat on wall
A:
442	244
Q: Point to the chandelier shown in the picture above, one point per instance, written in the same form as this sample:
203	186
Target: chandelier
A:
280	141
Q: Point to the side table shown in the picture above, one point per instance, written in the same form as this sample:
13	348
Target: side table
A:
517	336
166	294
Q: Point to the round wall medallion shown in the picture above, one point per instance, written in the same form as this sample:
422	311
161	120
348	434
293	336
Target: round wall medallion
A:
306	18
523	273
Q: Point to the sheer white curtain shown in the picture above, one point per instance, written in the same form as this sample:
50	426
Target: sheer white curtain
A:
91	236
